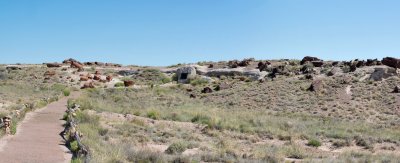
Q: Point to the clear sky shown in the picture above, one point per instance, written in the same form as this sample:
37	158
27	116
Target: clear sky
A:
165	32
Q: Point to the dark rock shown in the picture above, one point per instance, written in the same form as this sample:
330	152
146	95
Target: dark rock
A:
109	78
309	59
192	96
207	90
317	63
391	62
371	62
396	89
53	65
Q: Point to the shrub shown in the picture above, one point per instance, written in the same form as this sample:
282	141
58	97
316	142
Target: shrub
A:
74	146
314	143
176	148
66	92
153	115
294	151
103	131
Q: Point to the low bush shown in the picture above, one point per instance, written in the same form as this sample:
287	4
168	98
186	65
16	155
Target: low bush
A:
177	148
74	146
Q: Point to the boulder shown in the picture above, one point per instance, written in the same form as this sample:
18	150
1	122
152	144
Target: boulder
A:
391	62
89	63
233	64
128	83
334	71
109	78
317	63
87	85
77	65
96	77
70	60
53	65
244	63
309	59
383	73
317	86
371	62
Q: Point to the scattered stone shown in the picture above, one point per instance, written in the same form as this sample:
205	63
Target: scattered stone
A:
222	86
207	90
192	96
49	73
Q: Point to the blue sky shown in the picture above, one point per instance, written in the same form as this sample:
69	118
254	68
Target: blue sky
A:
165	32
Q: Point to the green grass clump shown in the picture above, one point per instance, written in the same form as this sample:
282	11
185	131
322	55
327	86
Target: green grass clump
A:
176	148
314	143
66	92
119	84
198	81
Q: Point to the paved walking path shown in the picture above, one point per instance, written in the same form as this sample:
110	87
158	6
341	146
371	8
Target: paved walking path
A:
37	139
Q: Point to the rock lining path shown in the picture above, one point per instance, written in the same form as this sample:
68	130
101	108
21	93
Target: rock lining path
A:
37	139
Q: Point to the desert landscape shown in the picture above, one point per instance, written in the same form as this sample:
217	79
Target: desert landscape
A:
250	110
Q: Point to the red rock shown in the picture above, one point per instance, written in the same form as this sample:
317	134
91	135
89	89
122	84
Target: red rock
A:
128	83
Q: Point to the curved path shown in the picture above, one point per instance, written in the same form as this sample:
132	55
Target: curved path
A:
37	139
